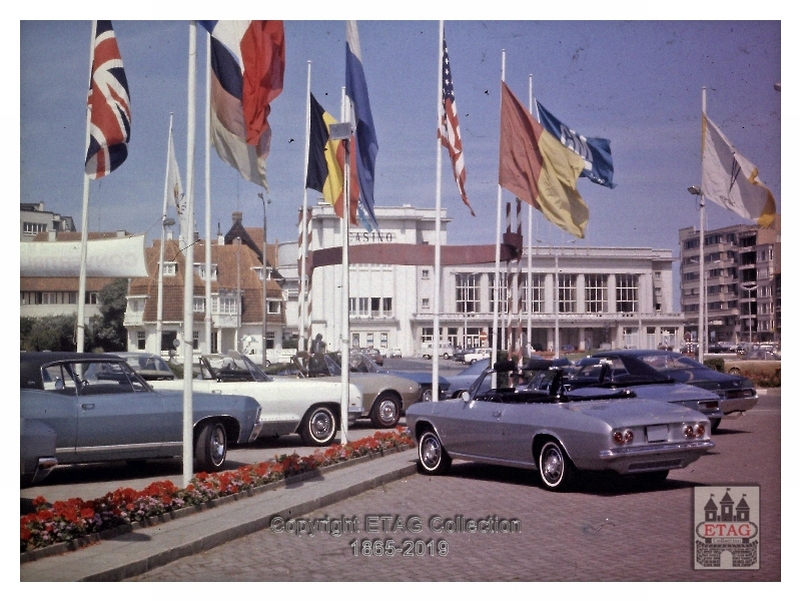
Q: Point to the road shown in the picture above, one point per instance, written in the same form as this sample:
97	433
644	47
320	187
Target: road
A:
92	481
605	530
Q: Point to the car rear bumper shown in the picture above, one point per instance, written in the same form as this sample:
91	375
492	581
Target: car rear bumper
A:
667	456
737	405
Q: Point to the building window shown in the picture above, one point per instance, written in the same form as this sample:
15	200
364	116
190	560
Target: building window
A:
140	340
31	229
426	304
468	289
91	298
195	340
426	274
567	293
270	340
273	307
627	292
498	293
199	304
596	293
170	268
200	270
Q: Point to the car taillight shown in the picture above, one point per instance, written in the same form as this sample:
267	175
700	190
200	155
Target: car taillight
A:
696	431
622	436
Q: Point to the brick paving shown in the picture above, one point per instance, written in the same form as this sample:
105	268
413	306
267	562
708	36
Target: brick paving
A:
603	531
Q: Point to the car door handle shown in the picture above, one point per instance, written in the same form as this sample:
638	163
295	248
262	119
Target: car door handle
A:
497	414
87	406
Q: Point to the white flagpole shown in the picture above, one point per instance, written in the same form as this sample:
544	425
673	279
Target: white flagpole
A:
160	304
701	325
81	321
188	291
496	307
208	196
346	275
437	253
301	341
529	285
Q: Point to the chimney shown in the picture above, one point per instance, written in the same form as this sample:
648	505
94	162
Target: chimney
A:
237	216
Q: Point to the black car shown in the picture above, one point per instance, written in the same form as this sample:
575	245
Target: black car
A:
736	393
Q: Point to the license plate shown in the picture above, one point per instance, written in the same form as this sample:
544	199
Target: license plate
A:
657	433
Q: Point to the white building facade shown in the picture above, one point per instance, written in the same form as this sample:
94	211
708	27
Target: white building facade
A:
554	298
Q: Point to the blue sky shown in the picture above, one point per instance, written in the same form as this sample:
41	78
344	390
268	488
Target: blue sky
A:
637	83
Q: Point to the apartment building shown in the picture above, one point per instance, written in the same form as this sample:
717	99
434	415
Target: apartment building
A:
743	282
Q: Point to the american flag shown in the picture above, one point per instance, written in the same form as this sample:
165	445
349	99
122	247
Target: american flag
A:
109	105
449	132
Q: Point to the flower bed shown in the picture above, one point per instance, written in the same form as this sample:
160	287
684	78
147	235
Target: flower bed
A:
66	521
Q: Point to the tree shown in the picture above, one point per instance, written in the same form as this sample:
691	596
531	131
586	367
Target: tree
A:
108	332
51	333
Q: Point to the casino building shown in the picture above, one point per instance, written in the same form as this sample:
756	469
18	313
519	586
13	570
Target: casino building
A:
573	297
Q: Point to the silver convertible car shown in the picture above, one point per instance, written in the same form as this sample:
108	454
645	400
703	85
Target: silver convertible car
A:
555	432
101	410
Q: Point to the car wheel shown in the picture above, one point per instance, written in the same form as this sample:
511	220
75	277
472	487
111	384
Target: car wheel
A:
715	424
318	427
433	459
555	470
735	371
385	411
446	356
211	447
427	395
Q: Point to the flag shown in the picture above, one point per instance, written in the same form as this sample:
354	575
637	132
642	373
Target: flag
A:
449	132
174	186
247	62
596	152
540	170
326	158
109	106
366	146
731	181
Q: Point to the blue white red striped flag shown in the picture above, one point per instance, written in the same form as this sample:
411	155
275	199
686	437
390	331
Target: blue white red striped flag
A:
109	106
449	131
247	61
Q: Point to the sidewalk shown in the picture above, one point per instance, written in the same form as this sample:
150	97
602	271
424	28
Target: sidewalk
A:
137	552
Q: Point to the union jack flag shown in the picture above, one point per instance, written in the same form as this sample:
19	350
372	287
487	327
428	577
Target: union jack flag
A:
109	106
449	132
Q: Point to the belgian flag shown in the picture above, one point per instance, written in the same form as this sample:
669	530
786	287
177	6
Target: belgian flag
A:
325	172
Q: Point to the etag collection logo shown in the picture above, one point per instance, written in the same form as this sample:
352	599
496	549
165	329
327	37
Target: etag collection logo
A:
726	527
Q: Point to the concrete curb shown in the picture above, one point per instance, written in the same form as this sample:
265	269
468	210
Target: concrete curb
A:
135	552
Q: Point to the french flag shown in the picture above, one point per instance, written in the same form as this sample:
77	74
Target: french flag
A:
248	59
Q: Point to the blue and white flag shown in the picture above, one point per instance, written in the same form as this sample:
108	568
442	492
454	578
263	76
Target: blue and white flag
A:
366	140
596	152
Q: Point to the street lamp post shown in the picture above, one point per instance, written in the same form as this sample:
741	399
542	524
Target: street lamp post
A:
701	318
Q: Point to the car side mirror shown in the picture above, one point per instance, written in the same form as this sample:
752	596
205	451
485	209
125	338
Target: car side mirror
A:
465	396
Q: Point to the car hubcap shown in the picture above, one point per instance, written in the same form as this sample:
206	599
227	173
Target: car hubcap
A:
388	412
218	446
552	465
427	396
430	452
321	426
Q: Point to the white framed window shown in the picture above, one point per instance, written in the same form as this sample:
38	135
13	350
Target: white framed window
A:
170	268
567	293
468	292
627	293
596	292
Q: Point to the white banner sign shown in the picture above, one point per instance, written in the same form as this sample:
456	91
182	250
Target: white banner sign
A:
111	258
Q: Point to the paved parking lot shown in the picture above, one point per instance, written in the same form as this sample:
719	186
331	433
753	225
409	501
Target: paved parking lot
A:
603	531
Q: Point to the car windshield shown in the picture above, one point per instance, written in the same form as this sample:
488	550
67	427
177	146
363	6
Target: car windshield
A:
624	370
232	366
665	362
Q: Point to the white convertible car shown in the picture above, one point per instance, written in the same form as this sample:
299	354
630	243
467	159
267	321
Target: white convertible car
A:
310	408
